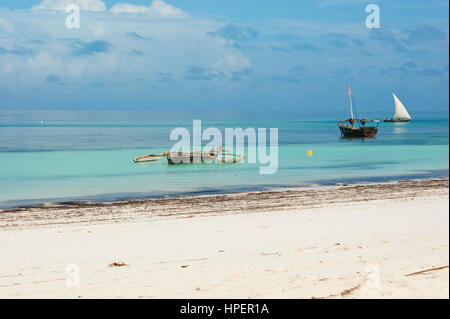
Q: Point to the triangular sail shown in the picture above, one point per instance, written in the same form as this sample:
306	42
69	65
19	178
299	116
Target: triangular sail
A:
400	110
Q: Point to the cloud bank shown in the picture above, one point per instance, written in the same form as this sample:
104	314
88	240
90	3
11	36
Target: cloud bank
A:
159	55
61	5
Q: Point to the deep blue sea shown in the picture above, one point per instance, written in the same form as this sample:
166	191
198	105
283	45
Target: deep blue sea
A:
57	156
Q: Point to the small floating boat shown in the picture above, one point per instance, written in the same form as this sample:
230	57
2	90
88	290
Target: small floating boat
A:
400	114
354	127
357	128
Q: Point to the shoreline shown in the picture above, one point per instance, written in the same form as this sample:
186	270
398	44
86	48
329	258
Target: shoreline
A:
104	199
217	204
367	241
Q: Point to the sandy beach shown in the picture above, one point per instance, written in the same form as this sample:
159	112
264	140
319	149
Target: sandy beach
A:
348	241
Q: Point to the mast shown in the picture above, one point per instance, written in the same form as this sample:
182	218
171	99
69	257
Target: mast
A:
351	105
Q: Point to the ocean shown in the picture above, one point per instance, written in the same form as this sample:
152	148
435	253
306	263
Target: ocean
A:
64	156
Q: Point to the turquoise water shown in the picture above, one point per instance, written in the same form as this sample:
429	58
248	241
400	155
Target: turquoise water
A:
89	156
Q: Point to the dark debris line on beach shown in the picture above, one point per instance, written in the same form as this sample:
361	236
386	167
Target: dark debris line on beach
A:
251	202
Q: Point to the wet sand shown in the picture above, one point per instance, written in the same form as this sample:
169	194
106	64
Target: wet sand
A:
349	241
238	203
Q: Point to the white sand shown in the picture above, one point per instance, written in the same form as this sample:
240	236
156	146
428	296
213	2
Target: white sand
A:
336	251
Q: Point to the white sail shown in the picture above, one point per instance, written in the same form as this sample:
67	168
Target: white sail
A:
400	110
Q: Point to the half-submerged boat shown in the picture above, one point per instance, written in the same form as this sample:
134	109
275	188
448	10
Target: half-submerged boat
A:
193	157
219	155
401	114
354	127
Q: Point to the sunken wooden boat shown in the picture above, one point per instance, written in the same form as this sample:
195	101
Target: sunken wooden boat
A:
400	114
353	127
219	155
192	157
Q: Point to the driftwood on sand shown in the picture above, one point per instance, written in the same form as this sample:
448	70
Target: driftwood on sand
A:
426	270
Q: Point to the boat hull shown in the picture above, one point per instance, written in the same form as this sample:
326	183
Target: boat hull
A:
187	158
347	131
392	120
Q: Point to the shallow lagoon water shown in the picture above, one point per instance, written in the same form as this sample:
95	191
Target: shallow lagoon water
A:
89	156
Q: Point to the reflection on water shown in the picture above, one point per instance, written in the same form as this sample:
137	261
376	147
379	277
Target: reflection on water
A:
400	130
353	140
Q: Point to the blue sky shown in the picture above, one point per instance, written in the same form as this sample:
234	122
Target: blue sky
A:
210	55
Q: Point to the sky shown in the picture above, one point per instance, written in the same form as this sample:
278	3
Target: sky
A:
246	55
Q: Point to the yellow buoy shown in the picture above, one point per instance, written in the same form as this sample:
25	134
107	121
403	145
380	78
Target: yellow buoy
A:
309	152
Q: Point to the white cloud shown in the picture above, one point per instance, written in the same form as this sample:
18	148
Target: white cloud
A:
165	9
39	46
157	8
232	62
6	25
129	8
61	5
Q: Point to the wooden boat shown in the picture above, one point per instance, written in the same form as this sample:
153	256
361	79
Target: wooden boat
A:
400	114
191	157
354	127
357	128
218	155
